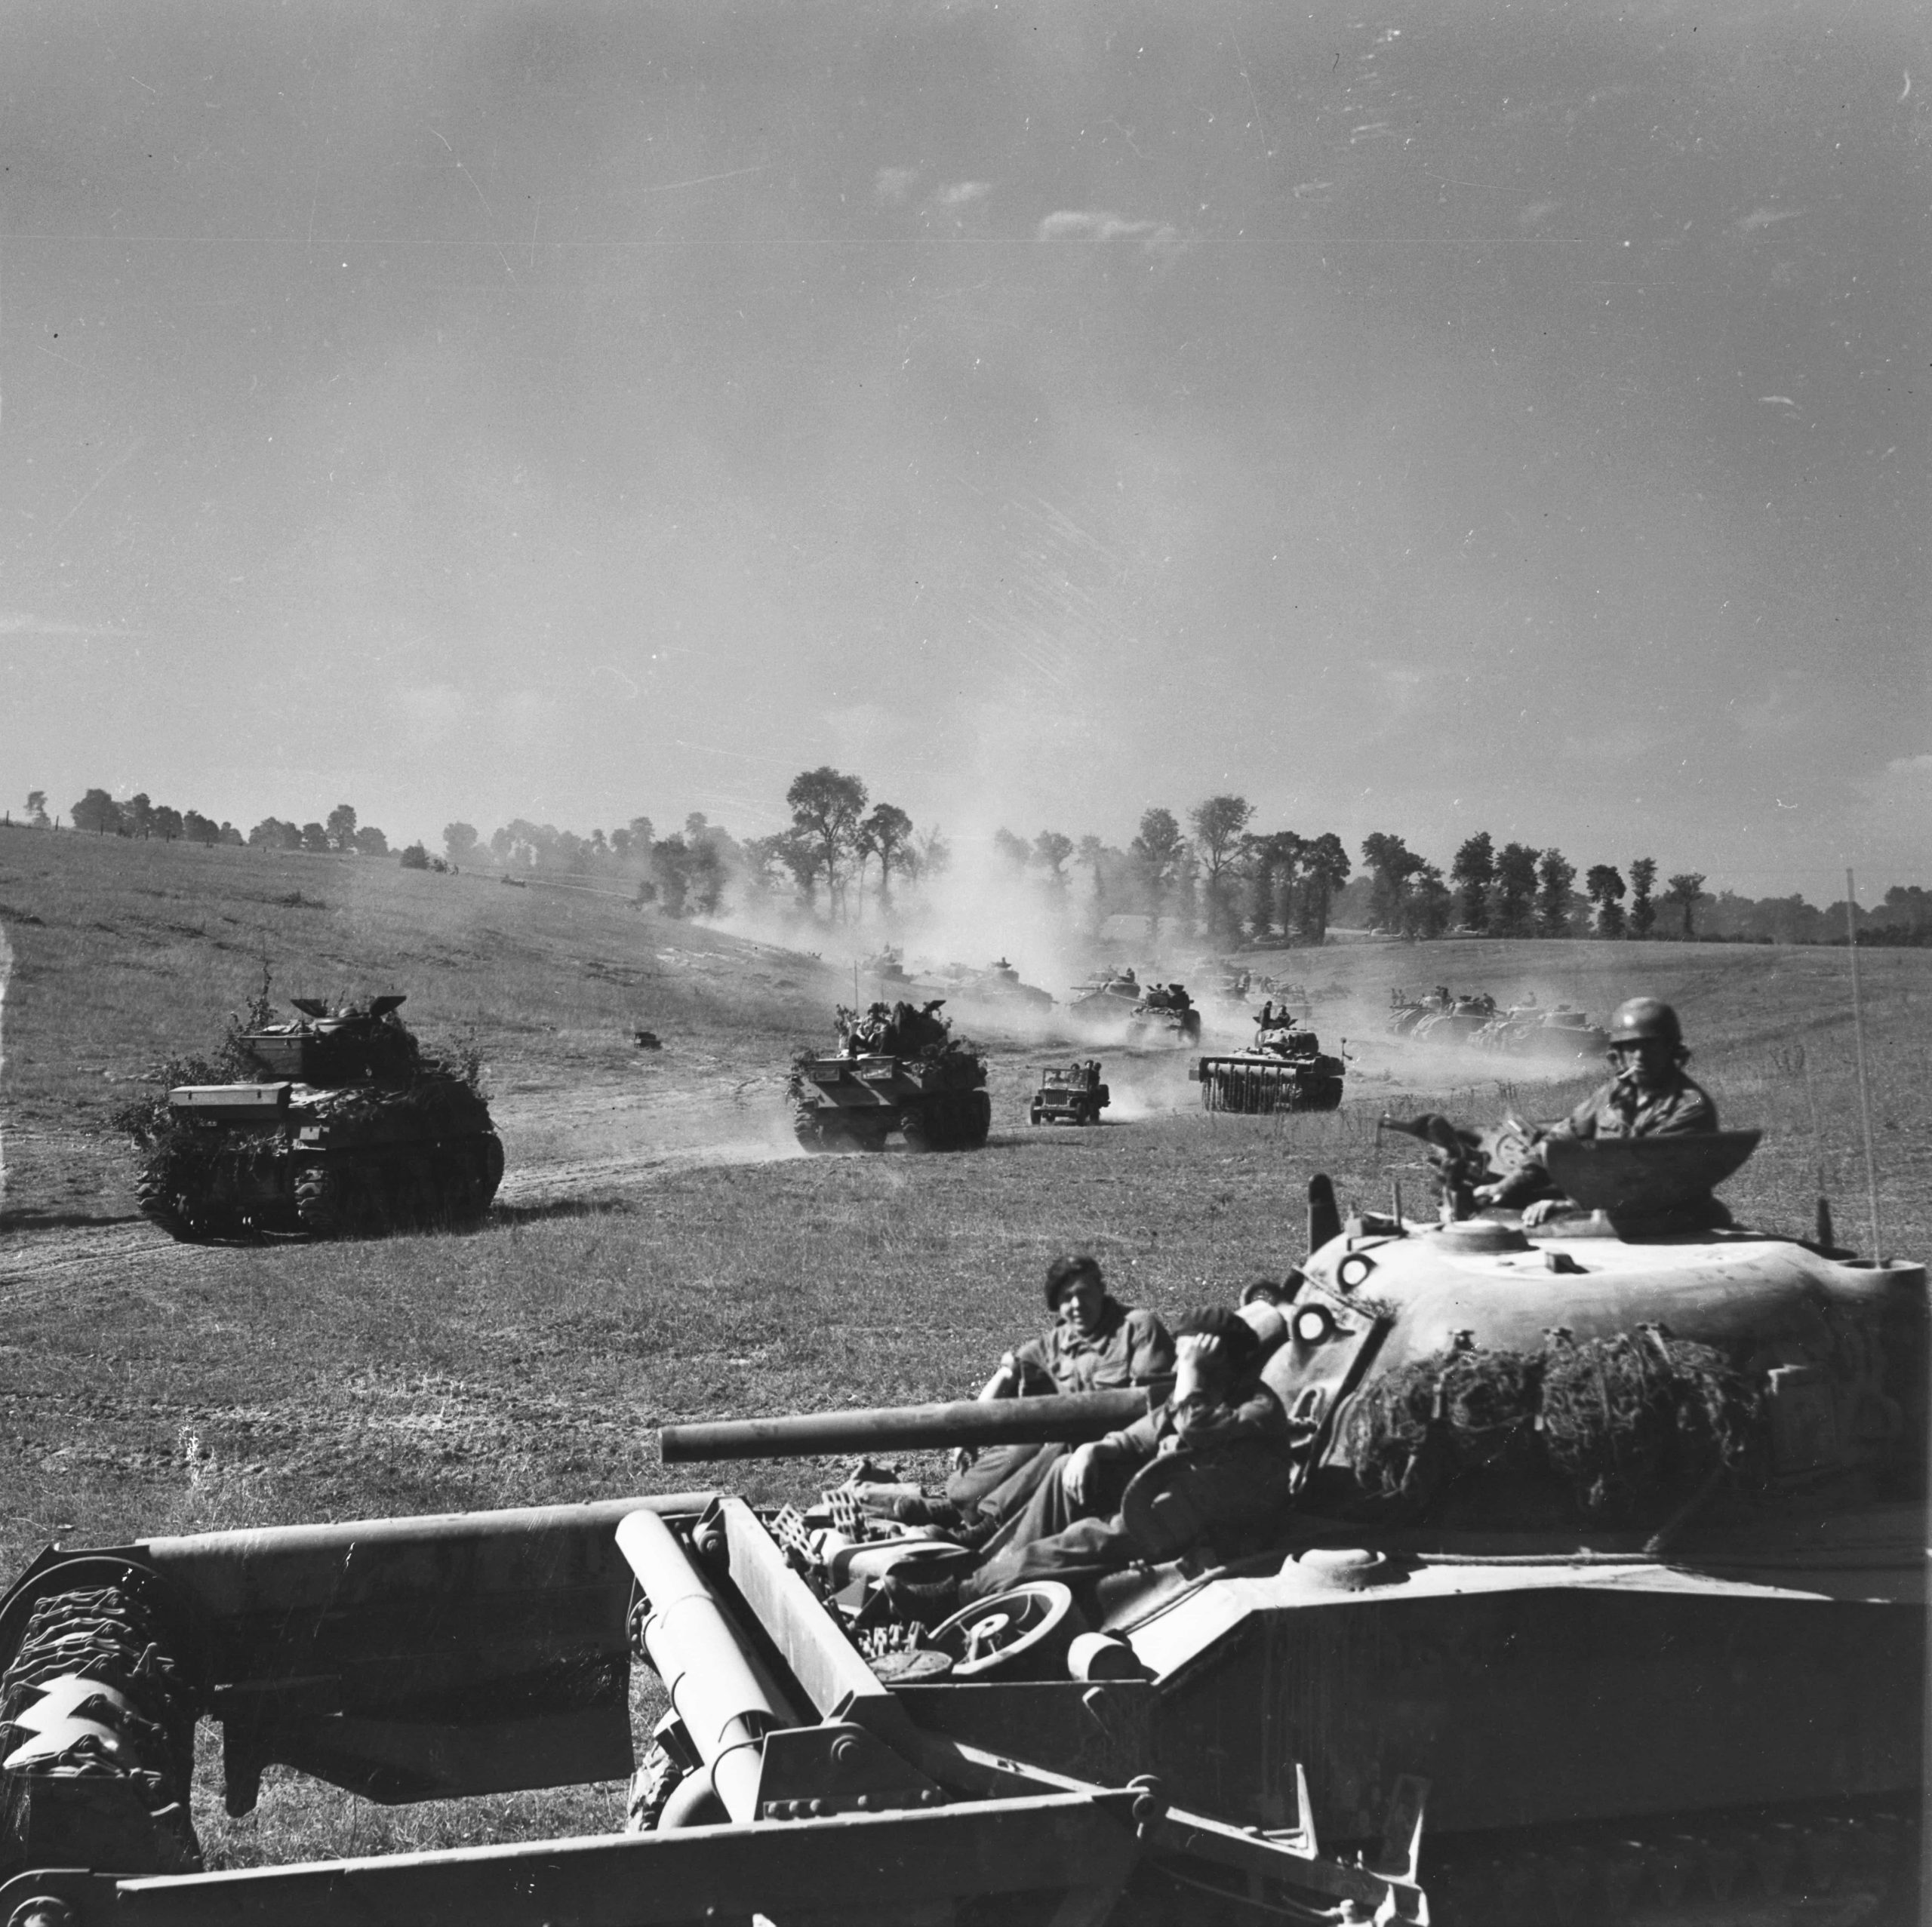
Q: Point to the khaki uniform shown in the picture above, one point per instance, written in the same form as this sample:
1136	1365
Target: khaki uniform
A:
1128	1348
1242	1470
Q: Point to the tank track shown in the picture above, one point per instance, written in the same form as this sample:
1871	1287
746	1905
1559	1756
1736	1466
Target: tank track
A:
954	1120
154	1201
1258	1089
1796	1866
107	1713
422	1187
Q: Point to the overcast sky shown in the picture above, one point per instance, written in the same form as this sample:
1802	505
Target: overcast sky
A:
1422	418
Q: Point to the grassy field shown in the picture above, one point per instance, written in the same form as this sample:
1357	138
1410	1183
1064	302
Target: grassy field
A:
659	1253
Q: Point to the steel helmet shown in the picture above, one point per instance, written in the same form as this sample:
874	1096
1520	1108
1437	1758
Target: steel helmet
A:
1640	1020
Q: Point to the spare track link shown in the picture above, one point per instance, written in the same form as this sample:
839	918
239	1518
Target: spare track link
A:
1792	1867
104	1715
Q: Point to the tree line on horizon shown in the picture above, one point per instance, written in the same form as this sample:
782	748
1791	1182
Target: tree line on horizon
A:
1214	876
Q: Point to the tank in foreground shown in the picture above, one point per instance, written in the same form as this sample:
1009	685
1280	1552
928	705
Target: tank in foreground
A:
345	1126
805	1774
897	1070
1612	1531
1284	1069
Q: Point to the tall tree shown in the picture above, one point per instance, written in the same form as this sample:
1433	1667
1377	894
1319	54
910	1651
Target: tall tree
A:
1427	906
98	812
1156	850
1012	851
1684	889
1272	864
1050	851
167	823
1391	863
1605	883
1473	872
342	827
1514	902
315	838
1555	876
1643	909
1217	825
459	841
1324	868
888	834
137	816
369	841
826	805
37	809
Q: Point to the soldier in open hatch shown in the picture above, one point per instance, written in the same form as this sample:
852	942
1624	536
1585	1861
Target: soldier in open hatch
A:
1649	1097
1095	1344
1232	1447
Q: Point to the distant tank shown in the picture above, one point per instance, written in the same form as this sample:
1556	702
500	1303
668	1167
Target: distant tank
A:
345	1127
897	1068
1530	1031
886	968
1406	1012
1457	1022
1108	996
1165	1016
1284	1069
1069	1094
999	983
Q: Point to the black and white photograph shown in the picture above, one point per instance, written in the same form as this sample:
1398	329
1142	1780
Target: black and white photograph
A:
965	963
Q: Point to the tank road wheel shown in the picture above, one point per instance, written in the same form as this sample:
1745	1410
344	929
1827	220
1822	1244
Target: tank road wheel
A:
816	1126
319	1203
1327	1095
1023	1634
976	1120
162	1209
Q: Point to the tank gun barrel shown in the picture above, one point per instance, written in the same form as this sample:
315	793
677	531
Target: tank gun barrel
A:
971	1421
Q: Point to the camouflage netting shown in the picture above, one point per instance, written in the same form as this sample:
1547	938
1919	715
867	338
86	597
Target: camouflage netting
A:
1625	1424
187	1165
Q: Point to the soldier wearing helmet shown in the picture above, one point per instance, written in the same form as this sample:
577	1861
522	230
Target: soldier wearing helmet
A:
1649	1097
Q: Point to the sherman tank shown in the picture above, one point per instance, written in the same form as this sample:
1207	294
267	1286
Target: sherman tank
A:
1611	1530
897	1068
343	1125
1284	1069
1000	982
1165	1018
1561	1034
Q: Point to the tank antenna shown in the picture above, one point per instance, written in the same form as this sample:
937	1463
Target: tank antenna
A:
1858	1043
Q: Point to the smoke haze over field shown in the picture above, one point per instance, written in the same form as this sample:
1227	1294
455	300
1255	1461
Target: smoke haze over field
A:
1430	420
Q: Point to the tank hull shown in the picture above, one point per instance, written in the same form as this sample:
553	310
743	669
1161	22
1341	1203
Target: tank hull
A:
286	1159
856	1103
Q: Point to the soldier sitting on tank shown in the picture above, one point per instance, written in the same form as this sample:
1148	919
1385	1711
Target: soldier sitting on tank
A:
920	1029
1649	1097
1230	1429
872	1035
1095	1344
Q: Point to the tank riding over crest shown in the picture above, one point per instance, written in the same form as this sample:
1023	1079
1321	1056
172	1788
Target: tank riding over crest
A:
1284	1069
337	1123
898	1068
